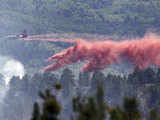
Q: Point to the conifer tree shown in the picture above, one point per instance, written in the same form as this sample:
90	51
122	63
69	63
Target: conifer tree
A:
67	81
36	112
98	77
88	108
130	106
100	102
50	106
84	79
154	115
128	112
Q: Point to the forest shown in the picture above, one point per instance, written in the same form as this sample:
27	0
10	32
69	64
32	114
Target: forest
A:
68	97
116	93
123	17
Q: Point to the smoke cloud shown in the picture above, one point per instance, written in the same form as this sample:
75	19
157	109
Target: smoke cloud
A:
10	68
141	52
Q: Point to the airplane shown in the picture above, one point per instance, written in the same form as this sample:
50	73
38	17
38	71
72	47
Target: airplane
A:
24	34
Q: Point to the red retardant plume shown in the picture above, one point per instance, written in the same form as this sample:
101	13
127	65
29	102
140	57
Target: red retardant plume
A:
141	52
50	39
98	55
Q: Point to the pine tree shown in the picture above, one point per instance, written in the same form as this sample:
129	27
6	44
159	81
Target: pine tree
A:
97	78
67	81
36	112
88	108
100	103
51	107
128	112
84	79
130	106
154	115
48	80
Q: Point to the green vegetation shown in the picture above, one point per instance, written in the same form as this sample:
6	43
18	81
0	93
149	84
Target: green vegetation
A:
123	17
76	99
92	108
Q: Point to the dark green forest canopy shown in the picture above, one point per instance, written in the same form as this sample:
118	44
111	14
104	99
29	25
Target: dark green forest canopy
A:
123	17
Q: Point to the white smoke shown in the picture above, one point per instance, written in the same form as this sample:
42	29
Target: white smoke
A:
11	67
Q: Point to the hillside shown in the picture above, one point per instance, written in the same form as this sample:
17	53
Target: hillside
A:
123	17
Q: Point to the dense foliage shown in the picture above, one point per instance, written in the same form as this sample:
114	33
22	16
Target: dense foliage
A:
124	17
21	94
92	108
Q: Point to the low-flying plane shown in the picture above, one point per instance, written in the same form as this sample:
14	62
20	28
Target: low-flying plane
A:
24	34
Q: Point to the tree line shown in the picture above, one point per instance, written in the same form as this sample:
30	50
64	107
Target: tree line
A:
90	108
22	93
